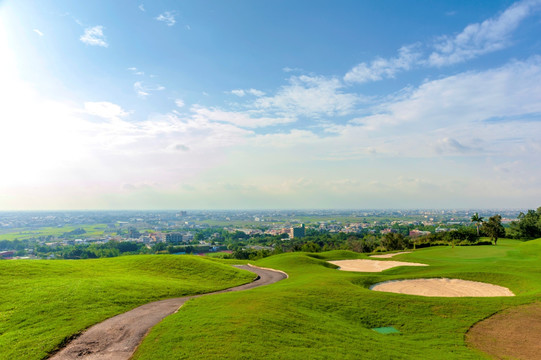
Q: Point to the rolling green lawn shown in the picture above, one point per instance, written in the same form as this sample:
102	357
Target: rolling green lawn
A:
322	313
44	302
22	234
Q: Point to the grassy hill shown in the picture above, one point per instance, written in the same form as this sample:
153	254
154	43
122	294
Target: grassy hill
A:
42	303
322	313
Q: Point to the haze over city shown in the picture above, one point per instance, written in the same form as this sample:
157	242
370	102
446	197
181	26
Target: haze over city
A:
277	104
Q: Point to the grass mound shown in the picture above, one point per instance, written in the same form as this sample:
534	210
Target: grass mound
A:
42	303
322	313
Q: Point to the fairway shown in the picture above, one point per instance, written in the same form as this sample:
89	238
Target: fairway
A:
321	313
118	337
43	303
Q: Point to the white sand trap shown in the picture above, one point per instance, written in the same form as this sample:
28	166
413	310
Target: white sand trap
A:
442	287
387	256
362	265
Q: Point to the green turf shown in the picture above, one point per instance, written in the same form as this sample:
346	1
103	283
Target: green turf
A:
24	234
322	313
44	302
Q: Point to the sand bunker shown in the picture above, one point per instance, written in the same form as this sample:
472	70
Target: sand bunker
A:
370	265
442	287
387	256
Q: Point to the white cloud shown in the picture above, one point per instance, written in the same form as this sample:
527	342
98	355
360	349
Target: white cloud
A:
241	92
90	160
194	160
288	69
141	7
381	68
238	92
104	109
481	38
144	90
453	116
511	90
167	17
181	147
179	103
241	119
38	32
310	96
475	40
449	145
135	71
255	92
94	36
140	90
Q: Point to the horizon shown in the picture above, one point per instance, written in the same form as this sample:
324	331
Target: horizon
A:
210	105
276	209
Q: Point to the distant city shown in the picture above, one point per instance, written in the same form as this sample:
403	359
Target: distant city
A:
48	234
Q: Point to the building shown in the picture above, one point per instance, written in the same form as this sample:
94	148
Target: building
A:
416	233
7	254
174	237
133	233
297	232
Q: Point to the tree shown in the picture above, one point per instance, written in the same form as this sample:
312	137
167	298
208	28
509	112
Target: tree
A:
494	228
310	246
528	225
478	220
393	241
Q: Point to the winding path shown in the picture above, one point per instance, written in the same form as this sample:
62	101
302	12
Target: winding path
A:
118	337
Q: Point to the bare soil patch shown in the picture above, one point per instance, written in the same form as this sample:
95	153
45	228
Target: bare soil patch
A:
362	265
388	256
442	288
512	334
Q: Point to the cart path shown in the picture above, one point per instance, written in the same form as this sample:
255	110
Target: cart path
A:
118	337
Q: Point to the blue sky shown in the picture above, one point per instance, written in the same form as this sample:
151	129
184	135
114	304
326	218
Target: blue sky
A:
270	104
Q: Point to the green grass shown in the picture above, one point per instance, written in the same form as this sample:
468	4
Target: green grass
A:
44	302
322	313
24	234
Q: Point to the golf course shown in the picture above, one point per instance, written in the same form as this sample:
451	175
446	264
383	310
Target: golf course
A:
318	312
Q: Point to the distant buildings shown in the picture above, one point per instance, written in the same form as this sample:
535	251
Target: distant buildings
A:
7	254
133	233
416	233
177	237
174	237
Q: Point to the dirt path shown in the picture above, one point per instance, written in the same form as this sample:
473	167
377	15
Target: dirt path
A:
511	334
118	337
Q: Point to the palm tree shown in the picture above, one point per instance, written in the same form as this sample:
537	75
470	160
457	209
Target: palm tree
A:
477	220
